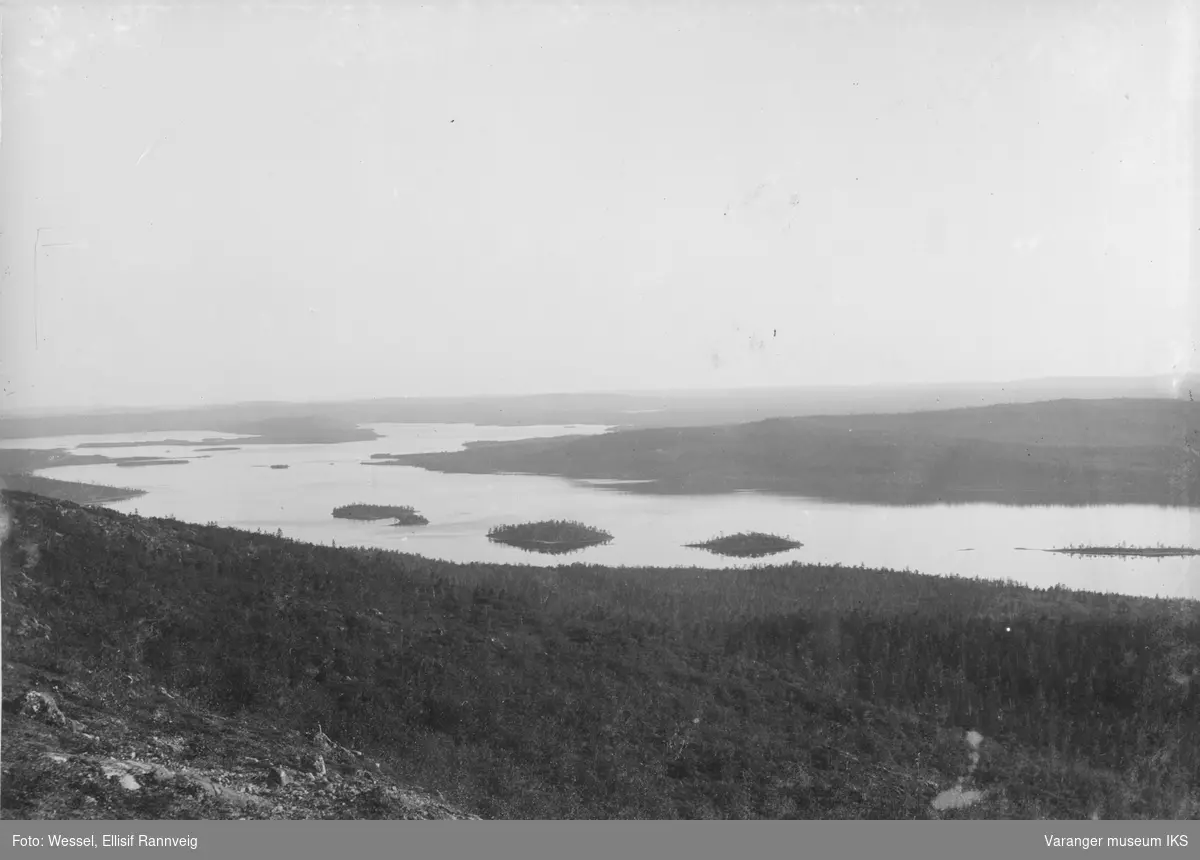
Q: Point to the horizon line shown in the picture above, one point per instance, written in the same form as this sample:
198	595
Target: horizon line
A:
1172	381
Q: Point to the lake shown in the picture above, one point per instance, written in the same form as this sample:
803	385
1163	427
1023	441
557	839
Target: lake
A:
237	488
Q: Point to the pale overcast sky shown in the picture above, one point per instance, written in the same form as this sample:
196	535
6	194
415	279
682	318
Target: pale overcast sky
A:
230	203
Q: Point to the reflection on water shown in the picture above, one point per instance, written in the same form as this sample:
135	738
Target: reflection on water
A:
745	553
549	548
648	530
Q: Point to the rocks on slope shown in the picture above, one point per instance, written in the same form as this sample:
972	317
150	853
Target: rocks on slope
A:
53	768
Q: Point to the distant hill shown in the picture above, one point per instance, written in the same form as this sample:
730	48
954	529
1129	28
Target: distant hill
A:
1060	452
257	425
624	409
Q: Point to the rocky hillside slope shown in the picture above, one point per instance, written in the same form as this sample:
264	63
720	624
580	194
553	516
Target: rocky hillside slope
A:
82	742
158	669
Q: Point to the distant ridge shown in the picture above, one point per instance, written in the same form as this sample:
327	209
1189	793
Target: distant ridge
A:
681	408
1076	451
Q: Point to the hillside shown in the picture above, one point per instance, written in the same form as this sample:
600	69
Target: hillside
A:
191	663
1059	452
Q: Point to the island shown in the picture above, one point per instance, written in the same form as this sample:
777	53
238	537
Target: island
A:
132	462
279	466
748	545
549	536
1122	550
404	515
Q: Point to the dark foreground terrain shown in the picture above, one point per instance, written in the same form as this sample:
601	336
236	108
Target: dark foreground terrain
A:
191	668
1064	452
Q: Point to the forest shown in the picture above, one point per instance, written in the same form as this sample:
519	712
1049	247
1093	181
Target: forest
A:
791	691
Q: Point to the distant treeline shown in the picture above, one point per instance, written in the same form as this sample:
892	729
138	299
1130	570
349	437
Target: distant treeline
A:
151	443
307	427
648	409
25	460
1063	452
70	491
403	514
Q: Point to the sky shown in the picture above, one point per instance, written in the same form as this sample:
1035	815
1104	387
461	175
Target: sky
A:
210	203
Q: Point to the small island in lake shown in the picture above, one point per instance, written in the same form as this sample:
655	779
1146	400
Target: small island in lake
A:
404	515
549	536
149	443
131	462
748	545
279	466
1123	550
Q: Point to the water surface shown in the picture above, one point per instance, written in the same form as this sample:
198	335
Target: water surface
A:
235	488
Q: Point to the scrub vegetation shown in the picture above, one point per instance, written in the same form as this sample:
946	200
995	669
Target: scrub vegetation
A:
803	691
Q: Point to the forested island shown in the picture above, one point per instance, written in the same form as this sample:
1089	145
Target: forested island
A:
404	515
748	545
549	536
1122	550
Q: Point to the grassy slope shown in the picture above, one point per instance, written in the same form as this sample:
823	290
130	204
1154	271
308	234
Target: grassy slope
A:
1061	452
590	692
